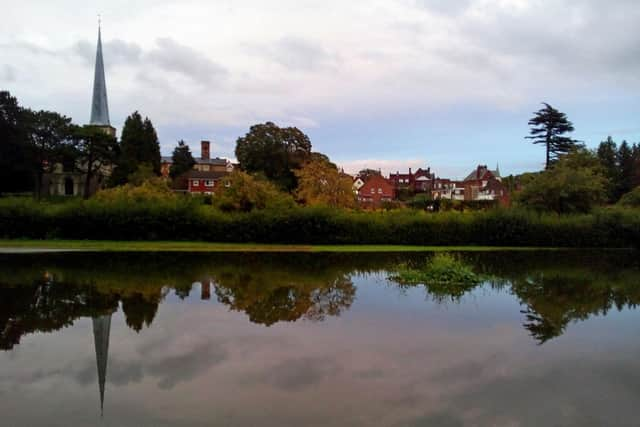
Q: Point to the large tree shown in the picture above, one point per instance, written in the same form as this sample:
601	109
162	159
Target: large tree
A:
607	154
626	168
181	161
15	172
96	150
49	138
576	183
274	152
550	127
321	183
138	145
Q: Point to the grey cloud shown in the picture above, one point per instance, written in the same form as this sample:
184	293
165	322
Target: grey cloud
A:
172	56
297	374
301	55
8	73
447	7
115	51
173	370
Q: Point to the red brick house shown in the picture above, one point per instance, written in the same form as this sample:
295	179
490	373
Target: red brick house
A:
204	163
419	182
200	182
376	189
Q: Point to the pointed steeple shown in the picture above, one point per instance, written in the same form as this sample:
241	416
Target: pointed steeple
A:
99	107
101	331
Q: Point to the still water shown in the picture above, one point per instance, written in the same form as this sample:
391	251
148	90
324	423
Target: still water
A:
549	339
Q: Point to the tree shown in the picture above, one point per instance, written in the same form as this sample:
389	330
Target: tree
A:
626	168
138	145
182	160
635	179
15	172
244	193
576	183
321	183
274	152
548	127
607	154
365	174
96	150
49	135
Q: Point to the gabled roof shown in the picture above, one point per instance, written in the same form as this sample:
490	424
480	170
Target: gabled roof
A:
217	161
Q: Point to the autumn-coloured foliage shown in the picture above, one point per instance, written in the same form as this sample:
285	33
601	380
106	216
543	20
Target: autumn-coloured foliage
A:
320	183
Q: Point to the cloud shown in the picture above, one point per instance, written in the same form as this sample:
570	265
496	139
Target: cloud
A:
172	56
8	73
298	374
298	54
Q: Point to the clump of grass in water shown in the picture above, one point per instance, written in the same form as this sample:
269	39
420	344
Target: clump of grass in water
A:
444	276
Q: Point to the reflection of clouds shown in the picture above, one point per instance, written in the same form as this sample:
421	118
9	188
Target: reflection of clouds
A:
172	370
298	374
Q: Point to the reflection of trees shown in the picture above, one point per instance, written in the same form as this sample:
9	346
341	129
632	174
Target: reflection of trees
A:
140	310
554	301
44	306
271	302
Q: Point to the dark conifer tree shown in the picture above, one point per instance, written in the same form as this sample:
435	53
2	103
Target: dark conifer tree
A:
181	161
549	127
608	156
626	167
138	145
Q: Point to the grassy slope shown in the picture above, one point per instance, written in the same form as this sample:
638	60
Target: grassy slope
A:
164	246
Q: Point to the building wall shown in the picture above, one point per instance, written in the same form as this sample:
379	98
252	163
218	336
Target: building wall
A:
200	185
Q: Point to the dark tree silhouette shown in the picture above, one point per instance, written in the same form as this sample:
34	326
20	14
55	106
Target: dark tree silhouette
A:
182	160
549	127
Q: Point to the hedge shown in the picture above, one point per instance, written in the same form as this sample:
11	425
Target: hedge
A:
177	220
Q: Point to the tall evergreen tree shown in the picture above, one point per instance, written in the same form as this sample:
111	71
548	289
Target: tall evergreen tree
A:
626	167
635	181
608	156
181	161
549	127
138	145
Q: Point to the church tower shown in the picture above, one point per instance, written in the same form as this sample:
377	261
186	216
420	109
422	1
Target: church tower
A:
99	105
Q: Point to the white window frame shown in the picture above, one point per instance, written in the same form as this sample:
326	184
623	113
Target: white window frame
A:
209	183
195	183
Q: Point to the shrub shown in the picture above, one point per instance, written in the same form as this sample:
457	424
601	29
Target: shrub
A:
631	199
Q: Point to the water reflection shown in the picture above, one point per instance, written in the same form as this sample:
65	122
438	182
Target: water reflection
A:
45	294
49	293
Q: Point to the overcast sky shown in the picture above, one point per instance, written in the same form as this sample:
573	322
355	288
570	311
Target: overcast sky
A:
387	84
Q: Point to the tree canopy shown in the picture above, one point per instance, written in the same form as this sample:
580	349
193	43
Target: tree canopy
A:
95	149
576	183
274	152
182	160
138	145
15	174
549	127
321	183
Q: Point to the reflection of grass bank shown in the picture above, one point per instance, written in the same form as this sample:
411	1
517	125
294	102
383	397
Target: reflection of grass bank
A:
444	276
174	246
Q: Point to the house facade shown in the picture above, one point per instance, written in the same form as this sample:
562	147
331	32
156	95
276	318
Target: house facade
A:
203	182
376	190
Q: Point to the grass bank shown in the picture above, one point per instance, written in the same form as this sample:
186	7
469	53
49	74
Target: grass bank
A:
173	246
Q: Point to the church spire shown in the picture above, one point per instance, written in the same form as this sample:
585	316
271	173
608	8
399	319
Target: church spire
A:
99	107
101	332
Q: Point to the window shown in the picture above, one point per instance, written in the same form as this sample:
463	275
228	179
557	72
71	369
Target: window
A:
379	190
195	183
373	191
208	183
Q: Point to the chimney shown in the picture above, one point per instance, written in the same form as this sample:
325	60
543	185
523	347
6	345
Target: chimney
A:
204	150
409	171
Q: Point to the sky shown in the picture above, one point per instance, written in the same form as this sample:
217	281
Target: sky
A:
387	84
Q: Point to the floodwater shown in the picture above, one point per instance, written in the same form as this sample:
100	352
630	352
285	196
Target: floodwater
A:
548	339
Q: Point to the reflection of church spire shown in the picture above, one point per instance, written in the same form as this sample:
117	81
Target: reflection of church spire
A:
101	329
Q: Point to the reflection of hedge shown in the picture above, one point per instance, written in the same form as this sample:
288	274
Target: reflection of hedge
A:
181	221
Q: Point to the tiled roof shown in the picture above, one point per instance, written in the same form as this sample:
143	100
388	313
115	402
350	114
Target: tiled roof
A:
217	161
204	175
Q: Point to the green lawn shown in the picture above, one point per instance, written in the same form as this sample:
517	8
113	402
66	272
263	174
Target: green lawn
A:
164	246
